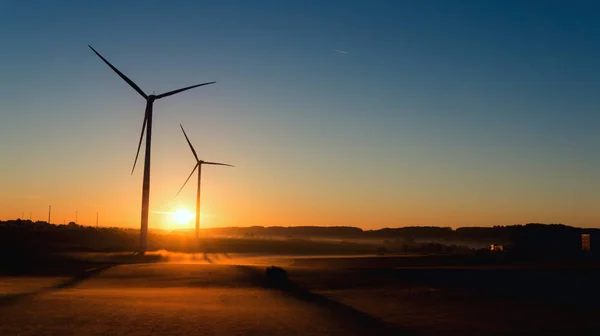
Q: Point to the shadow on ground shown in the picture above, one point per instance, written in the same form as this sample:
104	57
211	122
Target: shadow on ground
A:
362	322
11	299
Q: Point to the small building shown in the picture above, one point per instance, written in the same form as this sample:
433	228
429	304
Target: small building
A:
585	242
496	247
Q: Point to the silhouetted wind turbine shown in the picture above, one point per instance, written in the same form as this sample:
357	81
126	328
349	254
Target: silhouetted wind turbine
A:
146	126
198	166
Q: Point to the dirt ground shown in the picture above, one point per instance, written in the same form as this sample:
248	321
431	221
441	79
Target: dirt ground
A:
362	295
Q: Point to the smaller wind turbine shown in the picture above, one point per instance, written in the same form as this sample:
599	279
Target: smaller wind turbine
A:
198	166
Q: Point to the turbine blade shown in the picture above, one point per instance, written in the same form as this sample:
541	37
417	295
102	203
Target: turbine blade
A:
186	181
129	81
217	164
189	143
181	90
140	143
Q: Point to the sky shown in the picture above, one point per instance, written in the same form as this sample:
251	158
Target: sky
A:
369	114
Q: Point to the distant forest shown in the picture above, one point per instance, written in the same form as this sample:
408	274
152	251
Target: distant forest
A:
495	234
28	247
531	238
490	235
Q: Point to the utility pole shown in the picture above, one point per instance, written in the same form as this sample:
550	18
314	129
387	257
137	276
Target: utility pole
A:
29	216
96	219
49	212
75	216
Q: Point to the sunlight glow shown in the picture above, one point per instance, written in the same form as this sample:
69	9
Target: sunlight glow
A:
182	216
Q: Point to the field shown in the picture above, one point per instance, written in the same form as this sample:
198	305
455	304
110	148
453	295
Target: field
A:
221	294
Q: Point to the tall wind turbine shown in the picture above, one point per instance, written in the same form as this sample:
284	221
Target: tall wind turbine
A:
198	166
147	127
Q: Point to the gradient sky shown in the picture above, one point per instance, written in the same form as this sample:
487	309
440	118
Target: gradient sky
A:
449	113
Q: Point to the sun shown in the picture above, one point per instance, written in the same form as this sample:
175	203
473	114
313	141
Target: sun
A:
182	216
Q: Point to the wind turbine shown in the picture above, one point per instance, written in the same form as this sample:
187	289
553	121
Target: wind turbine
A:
146	126
198	166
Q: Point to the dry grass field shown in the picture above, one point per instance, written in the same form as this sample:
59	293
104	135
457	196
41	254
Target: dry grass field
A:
337	295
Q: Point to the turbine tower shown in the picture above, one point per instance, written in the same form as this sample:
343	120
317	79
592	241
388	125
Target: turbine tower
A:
198	165
147	127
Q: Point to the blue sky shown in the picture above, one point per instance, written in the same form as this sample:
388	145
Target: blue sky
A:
440	113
